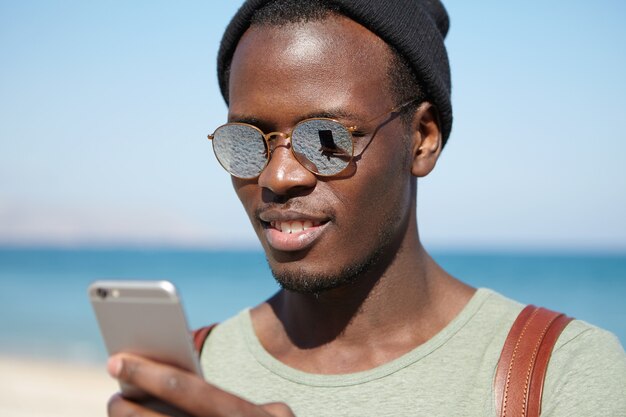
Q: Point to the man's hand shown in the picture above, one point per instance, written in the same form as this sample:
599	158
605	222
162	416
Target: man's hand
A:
181	389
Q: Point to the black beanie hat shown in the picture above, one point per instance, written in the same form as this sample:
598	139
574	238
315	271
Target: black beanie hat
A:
415	28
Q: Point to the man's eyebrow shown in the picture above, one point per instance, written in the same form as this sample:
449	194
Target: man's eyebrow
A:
339	114
236	118
333	114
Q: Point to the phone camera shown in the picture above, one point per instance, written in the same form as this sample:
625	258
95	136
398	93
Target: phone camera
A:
102	292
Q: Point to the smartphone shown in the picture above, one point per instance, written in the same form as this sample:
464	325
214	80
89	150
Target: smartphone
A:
144	318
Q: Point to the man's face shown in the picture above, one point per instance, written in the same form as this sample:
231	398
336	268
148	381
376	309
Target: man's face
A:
331	68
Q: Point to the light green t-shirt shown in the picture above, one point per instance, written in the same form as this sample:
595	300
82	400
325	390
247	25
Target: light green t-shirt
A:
449	375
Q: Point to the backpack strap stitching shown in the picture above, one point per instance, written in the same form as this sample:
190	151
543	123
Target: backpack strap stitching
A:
531	364
518	340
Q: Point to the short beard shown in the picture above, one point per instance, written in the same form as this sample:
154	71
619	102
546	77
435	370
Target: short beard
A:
306	283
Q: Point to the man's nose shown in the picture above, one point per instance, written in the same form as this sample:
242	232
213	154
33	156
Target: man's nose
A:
283	174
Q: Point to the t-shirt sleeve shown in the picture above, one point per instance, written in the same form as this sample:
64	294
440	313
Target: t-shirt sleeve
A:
586	375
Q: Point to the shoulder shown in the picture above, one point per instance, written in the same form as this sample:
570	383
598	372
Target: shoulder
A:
226	335
494	317
587	374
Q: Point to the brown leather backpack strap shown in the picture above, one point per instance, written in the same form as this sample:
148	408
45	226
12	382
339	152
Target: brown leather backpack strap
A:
200	335
518	384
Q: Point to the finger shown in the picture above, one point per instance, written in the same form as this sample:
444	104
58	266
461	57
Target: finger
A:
118	406
278	409
180	388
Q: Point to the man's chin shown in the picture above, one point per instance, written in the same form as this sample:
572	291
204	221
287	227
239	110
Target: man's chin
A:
315	282
304	283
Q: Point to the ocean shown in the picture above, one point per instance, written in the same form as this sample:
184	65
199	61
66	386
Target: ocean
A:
45	312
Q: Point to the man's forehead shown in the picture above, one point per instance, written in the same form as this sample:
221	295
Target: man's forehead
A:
318	66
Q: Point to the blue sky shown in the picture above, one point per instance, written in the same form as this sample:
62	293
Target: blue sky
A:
105	107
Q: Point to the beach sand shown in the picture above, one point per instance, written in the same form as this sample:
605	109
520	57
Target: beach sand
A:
39	388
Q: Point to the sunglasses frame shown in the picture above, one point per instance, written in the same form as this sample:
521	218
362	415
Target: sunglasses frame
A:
267	136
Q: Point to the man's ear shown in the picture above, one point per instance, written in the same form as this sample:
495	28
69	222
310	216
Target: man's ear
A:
426	140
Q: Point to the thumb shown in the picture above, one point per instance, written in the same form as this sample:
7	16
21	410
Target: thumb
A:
278	409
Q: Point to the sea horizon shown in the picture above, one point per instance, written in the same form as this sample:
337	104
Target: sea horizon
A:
46	314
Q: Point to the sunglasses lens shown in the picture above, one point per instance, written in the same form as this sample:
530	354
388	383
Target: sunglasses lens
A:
322	146
241	150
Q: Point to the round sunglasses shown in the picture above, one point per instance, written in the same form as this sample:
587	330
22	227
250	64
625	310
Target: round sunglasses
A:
322	145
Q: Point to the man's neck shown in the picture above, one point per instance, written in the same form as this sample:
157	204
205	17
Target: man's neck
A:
389	311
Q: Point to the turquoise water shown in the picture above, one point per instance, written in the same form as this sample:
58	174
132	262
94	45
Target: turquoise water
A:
44	310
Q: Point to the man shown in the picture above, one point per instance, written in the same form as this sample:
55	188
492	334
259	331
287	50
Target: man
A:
335	109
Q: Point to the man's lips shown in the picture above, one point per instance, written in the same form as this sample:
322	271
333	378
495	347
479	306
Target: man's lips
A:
292	231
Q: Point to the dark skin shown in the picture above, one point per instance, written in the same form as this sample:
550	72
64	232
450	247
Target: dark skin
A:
279	76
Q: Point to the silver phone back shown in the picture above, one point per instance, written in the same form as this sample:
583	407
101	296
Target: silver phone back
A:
144	318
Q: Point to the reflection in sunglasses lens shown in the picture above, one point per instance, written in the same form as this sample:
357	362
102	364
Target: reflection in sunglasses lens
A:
241	150
322	146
